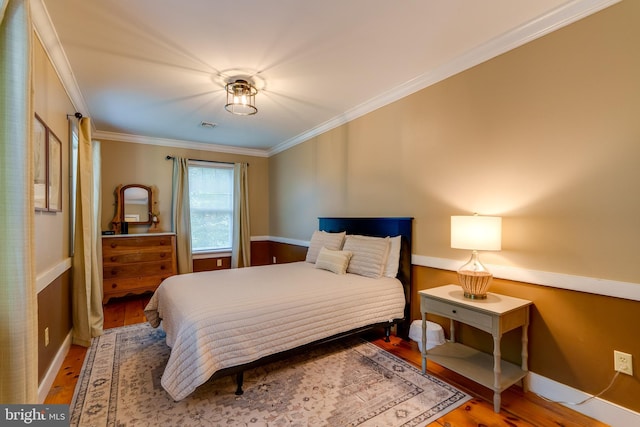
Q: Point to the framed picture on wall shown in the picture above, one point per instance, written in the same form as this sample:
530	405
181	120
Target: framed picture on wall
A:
54	175
40	164
47	166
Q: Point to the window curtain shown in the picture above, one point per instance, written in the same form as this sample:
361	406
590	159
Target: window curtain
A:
18	298
181	215
241	249
87	256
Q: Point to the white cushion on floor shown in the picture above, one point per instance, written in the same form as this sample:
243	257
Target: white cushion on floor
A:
435	334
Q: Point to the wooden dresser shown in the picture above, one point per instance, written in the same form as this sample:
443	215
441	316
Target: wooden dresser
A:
136	263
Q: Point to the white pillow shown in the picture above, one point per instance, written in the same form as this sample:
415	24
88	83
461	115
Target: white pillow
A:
334	261
321	239
369	255
393	260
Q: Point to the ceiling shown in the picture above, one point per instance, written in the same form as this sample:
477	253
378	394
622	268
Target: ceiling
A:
152	70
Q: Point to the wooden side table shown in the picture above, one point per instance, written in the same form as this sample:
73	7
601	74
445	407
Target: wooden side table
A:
495	315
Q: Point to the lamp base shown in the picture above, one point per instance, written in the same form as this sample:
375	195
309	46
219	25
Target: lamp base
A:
475	283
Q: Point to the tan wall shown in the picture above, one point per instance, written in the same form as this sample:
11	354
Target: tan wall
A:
546	136
132	163
51	103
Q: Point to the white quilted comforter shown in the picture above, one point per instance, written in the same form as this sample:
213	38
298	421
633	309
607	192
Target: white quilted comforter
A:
218	319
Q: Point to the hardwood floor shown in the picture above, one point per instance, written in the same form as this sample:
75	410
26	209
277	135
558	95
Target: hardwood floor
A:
518	409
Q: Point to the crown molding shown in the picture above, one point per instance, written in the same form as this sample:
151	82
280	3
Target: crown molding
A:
48	36
176	143
534	29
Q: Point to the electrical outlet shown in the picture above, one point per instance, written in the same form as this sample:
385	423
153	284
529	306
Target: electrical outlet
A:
46	336
219	262
274	260
622	362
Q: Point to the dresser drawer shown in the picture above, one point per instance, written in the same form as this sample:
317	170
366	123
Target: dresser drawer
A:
120	286
477	319
132	244
121	257
137	269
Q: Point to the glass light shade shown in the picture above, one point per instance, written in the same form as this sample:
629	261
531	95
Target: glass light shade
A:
476	233
241	98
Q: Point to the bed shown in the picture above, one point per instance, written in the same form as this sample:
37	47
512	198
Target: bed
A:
226	321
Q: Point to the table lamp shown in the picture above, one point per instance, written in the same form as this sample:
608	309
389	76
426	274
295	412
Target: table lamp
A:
476	233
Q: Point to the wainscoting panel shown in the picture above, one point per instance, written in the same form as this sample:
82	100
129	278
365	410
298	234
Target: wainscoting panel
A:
54	312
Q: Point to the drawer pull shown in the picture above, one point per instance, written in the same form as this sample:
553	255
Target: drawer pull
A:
114	285
113	245
113	258
162	243
163	255
162	267
454	312
114	272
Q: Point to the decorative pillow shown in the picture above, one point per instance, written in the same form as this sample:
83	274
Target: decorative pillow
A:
369	255
393	260
334	261
321	239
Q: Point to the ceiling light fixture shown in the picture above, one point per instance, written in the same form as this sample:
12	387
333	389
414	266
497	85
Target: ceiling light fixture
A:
241	98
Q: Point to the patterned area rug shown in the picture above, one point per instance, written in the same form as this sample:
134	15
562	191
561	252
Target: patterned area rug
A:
347	383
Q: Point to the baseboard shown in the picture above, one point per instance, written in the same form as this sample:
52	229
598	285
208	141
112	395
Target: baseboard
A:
600	409
54	368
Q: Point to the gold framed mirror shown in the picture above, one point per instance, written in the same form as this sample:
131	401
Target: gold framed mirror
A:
134	205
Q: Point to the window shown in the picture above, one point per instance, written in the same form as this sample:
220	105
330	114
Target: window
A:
211	204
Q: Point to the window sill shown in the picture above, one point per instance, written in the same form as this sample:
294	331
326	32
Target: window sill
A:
211	254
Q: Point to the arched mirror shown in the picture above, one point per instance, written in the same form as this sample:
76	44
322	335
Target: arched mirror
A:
134	204
137	204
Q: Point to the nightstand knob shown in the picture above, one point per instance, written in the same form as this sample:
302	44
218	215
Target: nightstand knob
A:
454	312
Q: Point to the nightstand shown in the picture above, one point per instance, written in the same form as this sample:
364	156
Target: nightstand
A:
495	315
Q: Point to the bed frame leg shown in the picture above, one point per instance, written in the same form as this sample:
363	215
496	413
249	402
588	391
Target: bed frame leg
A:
239	381
387	333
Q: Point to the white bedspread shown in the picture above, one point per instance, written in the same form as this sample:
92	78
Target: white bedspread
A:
224	318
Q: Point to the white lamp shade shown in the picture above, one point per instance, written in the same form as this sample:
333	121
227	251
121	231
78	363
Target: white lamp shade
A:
482	233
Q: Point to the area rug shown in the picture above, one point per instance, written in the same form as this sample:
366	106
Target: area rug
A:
350	382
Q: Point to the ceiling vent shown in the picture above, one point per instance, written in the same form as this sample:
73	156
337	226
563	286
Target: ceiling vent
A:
208	125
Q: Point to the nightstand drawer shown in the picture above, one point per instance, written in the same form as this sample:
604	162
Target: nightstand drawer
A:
480	320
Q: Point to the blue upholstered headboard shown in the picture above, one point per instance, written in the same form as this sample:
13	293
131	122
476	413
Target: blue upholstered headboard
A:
382	227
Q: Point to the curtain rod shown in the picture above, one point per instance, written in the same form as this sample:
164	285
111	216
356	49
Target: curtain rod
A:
208	161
